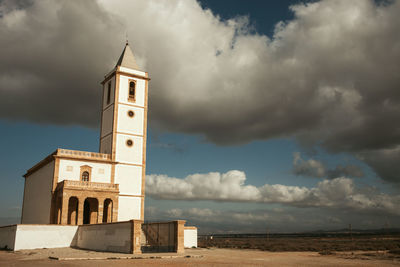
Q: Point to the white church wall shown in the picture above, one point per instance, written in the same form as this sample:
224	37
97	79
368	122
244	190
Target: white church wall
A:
70	170
44	236
129	179
7	236
132	71
129	208
124	91
130	125
107	121
37	195
106	144
113	237
190	237
129	154
105	92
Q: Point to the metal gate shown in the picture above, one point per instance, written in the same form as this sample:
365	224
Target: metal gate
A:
159	237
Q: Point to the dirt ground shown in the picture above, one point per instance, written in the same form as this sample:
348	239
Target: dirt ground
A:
199	257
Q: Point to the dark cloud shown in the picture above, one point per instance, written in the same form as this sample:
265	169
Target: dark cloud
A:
52	63
345	170
328	77
315	168
385	162
309	168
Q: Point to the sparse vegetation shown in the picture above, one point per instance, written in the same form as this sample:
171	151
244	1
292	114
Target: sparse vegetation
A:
326	245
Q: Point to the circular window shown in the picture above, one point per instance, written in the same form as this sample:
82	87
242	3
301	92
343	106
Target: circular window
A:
131	113
129	142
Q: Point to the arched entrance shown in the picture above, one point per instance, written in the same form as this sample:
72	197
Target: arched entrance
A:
90	210
73	211
107	210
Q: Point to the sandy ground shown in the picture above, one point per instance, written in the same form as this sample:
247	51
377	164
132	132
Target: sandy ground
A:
199	257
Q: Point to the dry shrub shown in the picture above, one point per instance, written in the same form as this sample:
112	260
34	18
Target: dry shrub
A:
344	243
327	252
395	251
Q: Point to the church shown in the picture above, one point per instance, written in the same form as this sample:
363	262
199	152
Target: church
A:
72	187
95	200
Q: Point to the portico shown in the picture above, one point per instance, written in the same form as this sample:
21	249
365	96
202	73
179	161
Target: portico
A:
82	202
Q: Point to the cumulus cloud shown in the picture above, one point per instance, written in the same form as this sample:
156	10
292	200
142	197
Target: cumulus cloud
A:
328	77
315	168
230	186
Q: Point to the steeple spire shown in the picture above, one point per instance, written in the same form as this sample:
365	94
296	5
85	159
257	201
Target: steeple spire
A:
127	59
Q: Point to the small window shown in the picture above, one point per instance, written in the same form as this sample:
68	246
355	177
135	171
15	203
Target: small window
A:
131	113
129	142
85	176
109	93
132	90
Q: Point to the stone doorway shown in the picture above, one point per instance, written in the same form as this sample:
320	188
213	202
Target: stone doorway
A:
90	210
107	210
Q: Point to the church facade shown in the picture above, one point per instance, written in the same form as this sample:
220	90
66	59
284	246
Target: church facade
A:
72	187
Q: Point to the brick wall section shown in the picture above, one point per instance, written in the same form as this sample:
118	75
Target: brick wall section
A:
136	234
180	232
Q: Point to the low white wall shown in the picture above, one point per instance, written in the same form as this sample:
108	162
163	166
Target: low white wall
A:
44	236
190	237
113	237
7	236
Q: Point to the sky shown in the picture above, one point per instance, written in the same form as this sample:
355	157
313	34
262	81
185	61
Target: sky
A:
278	115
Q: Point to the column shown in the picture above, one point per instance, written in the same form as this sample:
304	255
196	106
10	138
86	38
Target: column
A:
100	210
64	209
136	235
109	211
180	236
81	202
114	209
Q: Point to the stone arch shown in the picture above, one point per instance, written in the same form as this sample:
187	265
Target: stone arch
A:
90	210
107	210
73	211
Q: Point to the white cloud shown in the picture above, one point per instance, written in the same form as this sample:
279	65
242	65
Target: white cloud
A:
230	186
212	185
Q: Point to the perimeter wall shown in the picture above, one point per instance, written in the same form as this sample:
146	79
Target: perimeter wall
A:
123	237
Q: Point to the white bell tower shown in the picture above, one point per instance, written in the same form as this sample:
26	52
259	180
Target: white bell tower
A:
123	132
